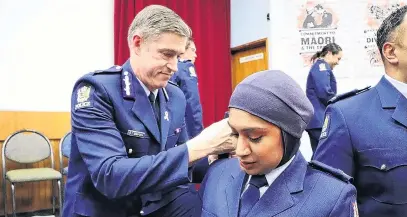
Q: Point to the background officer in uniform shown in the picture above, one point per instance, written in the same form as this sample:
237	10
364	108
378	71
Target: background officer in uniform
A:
270	177
321	87
129	156
365	135
187	80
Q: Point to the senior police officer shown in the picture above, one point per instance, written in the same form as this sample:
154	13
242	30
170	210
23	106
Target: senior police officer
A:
187	80
365	135
268	113
129	155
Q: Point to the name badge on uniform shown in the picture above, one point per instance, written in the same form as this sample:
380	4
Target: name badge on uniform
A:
325	127
135	133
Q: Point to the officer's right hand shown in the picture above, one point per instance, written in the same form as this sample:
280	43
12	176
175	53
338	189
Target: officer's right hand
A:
215	139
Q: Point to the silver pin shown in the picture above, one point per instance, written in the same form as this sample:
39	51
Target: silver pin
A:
166	116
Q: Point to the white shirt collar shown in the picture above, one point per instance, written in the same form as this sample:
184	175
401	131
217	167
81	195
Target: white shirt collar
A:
155	92
270	176
273	174
400	86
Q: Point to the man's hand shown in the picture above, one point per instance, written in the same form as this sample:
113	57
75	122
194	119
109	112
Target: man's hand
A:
213	140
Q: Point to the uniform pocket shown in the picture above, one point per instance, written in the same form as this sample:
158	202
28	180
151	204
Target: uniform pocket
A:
383	175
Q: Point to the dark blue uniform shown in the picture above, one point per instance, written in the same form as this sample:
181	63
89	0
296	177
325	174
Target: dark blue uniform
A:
366	137
321	87
187	80
302	189
122	161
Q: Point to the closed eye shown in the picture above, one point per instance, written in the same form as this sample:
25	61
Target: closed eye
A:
256	140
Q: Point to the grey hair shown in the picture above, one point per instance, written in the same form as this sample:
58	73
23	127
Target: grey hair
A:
154	20
390	29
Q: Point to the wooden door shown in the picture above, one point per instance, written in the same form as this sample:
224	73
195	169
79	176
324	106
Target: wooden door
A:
248	59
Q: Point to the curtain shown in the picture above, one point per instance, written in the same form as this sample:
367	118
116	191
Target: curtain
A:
210	23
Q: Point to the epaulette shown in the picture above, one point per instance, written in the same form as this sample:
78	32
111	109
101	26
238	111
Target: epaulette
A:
171	82
113	69
331	171
347	95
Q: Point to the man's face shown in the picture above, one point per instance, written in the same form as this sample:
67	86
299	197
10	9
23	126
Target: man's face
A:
156	59
333	59
401	47
190	53
259	143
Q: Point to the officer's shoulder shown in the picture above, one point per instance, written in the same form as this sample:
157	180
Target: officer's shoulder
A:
114	70
174	90
98	77
356	93
225	164
321	66
173	83
330	172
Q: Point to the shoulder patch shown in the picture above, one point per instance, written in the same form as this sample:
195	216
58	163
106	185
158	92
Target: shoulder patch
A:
173	83
331	171
113	69
325	127
83	96
322	67
342	96
192	72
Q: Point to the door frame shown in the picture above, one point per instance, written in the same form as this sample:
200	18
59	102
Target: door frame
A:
251	45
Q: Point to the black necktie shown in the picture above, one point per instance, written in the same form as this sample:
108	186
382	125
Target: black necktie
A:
252	194
156	107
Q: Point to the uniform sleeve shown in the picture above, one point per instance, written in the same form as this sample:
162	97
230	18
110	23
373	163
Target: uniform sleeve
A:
188	83
346	205
335	146
322	78
102	149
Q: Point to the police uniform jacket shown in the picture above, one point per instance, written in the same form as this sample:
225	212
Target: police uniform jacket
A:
321	87
366	137
302	189
122	161
187	80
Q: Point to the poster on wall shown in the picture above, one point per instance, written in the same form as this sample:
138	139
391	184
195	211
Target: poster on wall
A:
303	27
376	11
317	25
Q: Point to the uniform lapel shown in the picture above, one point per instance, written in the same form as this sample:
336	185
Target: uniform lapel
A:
400	114
391	98
233	191
165	117
278	196
143	110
